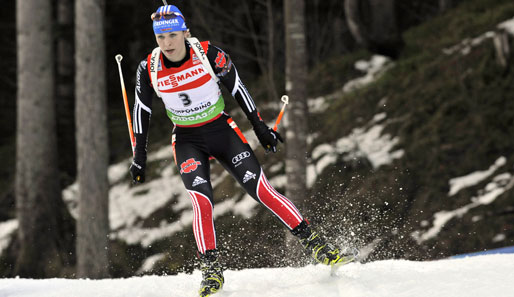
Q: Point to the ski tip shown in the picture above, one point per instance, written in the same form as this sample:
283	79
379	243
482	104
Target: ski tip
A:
335	267
351	256
356	253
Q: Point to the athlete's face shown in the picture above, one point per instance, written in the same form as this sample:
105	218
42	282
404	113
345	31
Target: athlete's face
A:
172	45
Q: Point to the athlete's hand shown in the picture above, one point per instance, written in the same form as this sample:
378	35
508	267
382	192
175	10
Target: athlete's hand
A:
137	171
267	137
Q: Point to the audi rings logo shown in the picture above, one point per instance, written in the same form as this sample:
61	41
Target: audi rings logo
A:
240	157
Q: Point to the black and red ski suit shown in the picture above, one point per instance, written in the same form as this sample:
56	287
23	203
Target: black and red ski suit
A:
218	137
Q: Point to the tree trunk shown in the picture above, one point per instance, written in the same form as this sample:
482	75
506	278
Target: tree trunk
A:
272	90
297	115
65	90
385	36
373	24
444	5
92	149
355	23
37	178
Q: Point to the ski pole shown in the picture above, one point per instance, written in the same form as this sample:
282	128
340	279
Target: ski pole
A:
164	2
125	101
284	99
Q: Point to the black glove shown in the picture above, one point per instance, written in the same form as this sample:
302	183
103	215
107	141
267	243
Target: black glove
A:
137	171
267	136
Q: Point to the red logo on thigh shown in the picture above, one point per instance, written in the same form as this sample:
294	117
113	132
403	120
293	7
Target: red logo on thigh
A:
189	165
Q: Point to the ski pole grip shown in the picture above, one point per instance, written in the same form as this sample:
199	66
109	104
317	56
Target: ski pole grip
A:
284	99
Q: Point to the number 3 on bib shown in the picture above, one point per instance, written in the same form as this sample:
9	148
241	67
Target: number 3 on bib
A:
185	99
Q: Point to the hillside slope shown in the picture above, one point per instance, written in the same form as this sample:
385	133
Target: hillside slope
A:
448	103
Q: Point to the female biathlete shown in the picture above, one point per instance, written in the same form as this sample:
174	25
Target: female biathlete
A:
202	129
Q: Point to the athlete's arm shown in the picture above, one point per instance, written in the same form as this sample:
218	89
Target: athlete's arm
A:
229	77
227	73
142	111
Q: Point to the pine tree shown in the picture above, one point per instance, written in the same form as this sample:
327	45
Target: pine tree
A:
297	115
38	197
92	146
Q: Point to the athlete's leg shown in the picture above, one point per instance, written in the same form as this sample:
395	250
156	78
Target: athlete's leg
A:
193	164
232	150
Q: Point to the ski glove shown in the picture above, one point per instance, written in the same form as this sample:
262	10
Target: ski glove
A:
267	136
137	171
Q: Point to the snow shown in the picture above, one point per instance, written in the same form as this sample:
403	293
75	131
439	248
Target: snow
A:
372	144
364	142
7	229
508	26
499	237
462	182
317	105
150	262
488	275
244	208
373	69
465	46
499	185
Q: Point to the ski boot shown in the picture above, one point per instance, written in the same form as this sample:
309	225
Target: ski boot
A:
323	252
212	273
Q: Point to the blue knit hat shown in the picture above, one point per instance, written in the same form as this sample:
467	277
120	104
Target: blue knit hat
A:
168	18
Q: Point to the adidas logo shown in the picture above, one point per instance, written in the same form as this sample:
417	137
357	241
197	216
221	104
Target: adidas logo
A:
198	181
248	176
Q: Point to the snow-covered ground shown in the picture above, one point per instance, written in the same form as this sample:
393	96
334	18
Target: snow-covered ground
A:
495	187
480	276
465	46
366	142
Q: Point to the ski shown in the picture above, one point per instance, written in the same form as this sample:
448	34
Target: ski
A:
351	257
